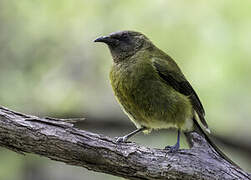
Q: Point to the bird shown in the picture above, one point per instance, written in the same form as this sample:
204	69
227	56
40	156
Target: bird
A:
152	90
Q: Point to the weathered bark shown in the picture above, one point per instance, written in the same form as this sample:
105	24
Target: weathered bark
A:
60	141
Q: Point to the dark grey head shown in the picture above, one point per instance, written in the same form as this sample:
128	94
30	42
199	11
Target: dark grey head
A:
123	44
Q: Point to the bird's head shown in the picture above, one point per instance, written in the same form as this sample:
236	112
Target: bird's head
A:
124	44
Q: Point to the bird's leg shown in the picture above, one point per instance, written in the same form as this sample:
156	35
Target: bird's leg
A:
174	148
126	137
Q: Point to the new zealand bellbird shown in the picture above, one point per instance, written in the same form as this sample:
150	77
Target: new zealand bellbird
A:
151	88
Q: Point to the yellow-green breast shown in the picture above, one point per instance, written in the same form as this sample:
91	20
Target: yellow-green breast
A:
146	98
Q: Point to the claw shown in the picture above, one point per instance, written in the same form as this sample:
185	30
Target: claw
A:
121	139
126	137
172	149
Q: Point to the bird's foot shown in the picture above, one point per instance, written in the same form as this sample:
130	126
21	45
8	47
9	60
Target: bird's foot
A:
172	149
121	139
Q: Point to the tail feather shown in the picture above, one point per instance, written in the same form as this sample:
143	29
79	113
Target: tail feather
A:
199	130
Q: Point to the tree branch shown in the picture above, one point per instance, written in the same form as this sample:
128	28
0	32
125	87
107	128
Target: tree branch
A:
58	140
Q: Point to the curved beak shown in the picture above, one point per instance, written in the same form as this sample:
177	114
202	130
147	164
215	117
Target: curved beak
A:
106	39
103	39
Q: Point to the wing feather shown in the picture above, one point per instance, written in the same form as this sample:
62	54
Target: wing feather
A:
173	76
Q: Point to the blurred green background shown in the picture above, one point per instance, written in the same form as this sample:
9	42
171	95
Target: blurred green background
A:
49	66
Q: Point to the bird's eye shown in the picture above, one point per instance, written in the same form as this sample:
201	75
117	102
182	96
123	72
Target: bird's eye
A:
121	37
124	36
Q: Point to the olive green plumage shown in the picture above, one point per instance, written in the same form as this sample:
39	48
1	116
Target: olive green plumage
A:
151	88
149	85
145	96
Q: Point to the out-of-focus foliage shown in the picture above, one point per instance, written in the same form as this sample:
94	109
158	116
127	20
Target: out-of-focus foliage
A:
49	64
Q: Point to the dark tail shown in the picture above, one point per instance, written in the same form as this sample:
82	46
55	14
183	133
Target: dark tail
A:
200	131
